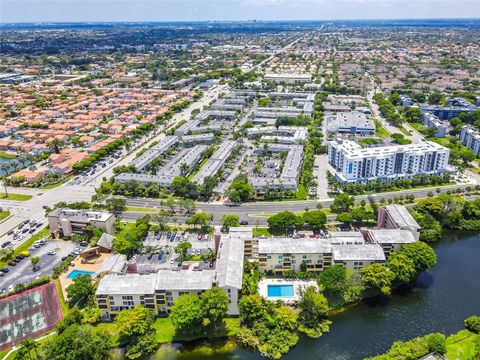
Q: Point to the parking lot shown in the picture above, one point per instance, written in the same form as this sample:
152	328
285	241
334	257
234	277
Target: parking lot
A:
22	232
23	272
159	249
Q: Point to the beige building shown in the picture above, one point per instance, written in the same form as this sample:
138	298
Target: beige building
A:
286	254
66	222
390	240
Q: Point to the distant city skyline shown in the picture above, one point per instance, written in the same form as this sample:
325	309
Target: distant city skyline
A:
12	11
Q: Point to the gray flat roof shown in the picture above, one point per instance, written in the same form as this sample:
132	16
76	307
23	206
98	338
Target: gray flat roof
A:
294	246
401	216
392	236
366	252
184	280
229	267
128	284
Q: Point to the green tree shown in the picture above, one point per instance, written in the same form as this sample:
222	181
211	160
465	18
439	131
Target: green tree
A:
421	254
34	261
333	280
182	249
377	276
252	308
29	345
316	219
345	218
284	220
402	266
136	330
77	342
187	314
437	343
215	305
134	322
342	203
313	309
230	220
81	290
472	323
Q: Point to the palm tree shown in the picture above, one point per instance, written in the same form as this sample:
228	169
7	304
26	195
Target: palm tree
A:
55	145
28	345
184	168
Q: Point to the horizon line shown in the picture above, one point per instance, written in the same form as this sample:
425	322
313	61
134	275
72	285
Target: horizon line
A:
228	21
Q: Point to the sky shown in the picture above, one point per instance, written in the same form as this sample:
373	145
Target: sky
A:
201	10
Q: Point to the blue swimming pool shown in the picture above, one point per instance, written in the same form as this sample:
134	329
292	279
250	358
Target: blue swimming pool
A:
280	290
74	273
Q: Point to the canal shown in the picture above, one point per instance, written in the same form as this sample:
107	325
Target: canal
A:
441	300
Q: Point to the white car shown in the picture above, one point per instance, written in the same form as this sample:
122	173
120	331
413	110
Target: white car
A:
52	252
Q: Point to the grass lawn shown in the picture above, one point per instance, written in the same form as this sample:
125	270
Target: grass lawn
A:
442	141
140	209
61	298
4	215
16	197
302	193
166	331
190	177
461	345
417	126
27	244
380	131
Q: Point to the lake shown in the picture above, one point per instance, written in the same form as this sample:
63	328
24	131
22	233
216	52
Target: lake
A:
443	297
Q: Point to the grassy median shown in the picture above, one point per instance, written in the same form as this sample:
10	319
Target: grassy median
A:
15	197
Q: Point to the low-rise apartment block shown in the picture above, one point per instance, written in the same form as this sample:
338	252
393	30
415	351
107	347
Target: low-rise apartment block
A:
67	222
353	122
396	216
432	121
159	290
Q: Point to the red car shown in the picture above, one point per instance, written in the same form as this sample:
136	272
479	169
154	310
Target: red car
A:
12	263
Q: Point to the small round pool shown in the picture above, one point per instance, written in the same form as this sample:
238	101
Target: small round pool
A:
280	290
74	273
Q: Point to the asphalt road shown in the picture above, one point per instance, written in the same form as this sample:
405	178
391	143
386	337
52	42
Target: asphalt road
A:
250	211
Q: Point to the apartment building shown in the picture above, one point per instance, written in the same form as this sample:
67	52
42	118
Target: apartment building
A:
158	291
281	135
470	137
390	240
278	255
355	164
432	121
288	78
154	152
354	257
66	222
353	122
215	162
396	216
288	179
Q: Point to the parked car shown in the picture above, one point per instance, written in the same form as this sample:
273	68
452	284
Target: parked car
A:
12	263
243	222
5	270
52	252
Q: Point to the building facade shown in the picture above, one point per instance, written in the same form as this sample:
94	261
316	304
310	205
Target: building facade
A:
355	164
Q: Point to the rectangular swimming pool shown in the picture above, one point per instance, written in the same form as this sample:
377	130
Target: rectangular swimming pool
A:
280	290
74	273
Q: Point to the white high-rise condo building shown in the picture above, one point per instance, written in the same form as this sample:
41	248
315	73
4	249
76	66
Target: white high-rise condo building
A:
352	163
